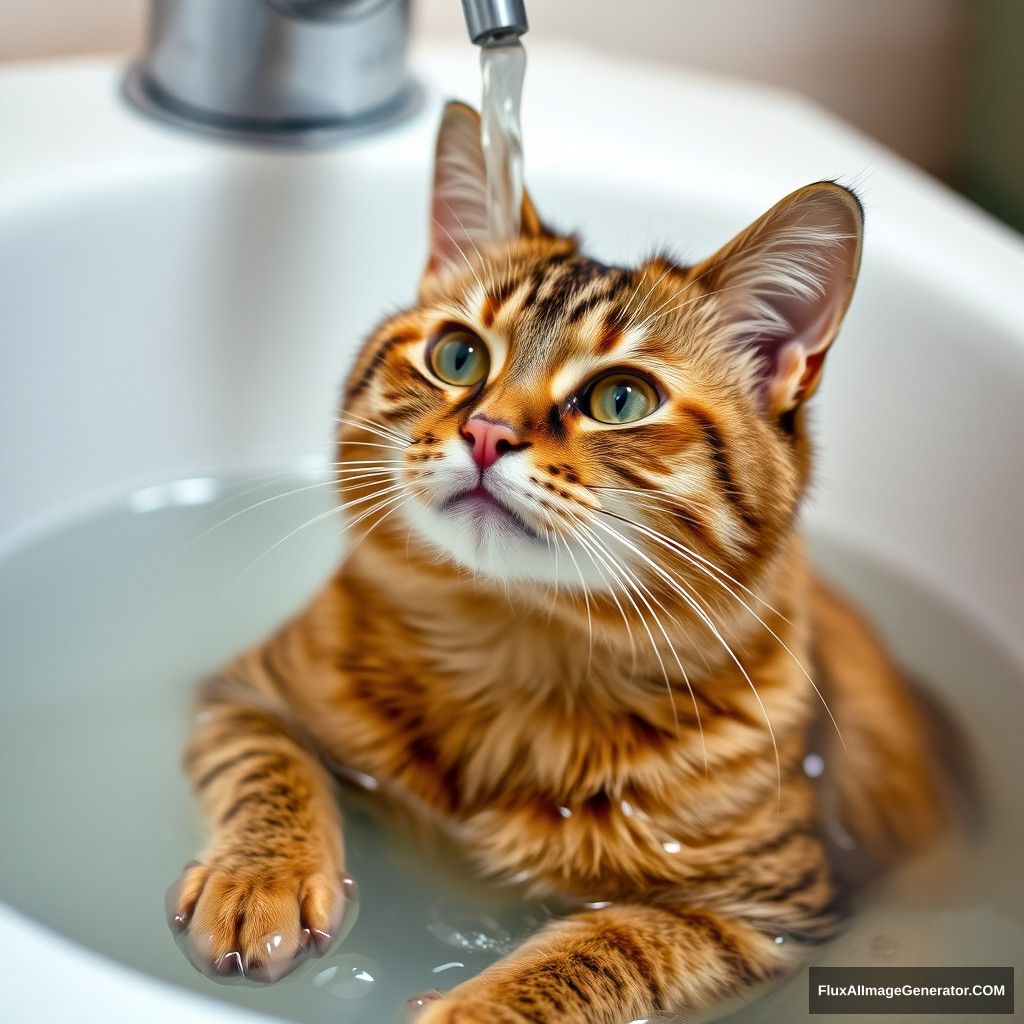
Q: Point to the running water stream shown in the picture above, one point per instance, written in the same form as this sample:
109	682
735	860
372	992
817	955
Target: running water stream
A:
503	65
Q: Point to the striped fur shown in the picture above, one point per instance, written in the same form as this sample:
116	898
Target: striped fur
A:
602	694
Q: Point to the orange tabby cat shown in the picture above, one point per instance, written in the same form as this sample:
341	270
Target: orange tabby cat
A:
579	630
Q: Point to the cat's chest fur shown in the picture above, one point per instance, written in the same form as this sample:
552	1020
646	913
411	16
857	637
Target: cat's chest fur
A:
548	759
592	801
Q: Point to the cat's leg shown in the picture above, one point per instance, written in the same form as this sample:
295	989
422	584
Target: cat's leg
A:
621	963
270	881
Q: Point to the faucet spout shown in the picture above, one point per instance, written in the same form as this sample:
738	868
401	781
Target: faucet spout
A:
495	22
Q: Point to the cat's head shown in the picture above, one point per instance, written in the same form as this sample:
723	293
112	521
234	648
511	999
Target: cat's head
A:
539	416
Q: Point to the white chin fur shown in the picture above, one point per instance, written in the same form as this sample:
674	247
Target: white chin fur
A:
484	541
488	545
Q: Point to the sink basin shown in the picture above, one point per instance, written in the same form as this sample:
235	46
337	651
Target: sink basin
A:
174	307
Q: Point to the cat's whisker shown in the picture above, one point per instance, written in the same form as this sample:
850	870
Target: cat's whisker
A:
349	417
663	506
309	522
586	600
709	564
610	584
363	474
549	534
320	469
665	497
643	592
379	436
631	322
461	251
675	655
650	292
625	575
684	552
378	431
346	480
632	296
664	501
669	496
368	462
262	480
368	444
689	301
665	302
395	504
554	599
486	265
259	504
316	519
698	609
344	473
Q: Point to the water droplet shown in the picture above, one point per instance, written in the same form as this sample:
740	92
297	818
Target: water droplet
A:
779	940
351	976
277	959
415	1005
361	779
840	836
446	967
627	808
565	812
814	766
470	932
597	904
321	978
672	846
230	963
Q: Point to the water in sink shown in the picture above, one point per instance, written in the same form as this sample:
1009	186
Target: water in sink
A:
107	625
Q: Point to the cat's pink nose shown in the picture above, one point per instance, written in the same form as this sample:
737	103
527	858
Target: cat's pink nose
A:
489	440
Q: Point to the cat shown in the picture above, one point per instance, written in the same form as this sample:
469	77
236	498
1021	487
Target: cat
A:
578	628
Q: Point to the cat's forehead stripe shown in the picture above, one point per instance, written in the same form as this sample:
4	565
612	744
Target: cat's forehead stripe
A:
561	310
495	299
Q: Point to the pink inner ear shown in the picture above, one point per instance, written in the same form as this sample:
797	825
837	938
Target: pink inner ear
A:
781	390
793	359
786	283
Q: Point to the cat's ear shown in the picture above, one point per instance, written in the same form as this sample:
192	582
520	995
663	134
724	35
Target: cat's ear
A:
783	286
458	205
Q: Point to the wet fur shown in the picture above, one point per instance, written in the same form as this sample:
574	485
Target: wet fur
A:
565	741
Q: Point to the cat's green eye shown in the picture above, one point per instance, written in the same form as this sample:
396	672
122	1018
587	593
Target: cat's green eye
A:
620	398
459	357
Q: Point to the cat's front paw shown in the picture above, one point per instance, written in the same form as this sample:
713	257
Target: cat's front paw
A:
258	917
426	1010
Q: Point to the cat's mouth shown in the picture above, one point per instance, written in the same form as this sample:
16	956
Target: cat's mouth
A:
484	508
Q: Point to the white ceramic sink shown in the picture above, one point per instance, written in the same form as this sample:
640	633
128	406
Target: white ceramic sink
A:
171	306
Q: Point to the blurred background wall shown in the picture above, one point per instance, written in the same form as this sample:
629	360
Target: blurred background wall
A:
939	81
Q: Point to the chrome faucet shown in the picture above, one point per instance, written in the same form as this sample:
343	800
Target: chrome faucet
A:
290	72
493	22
